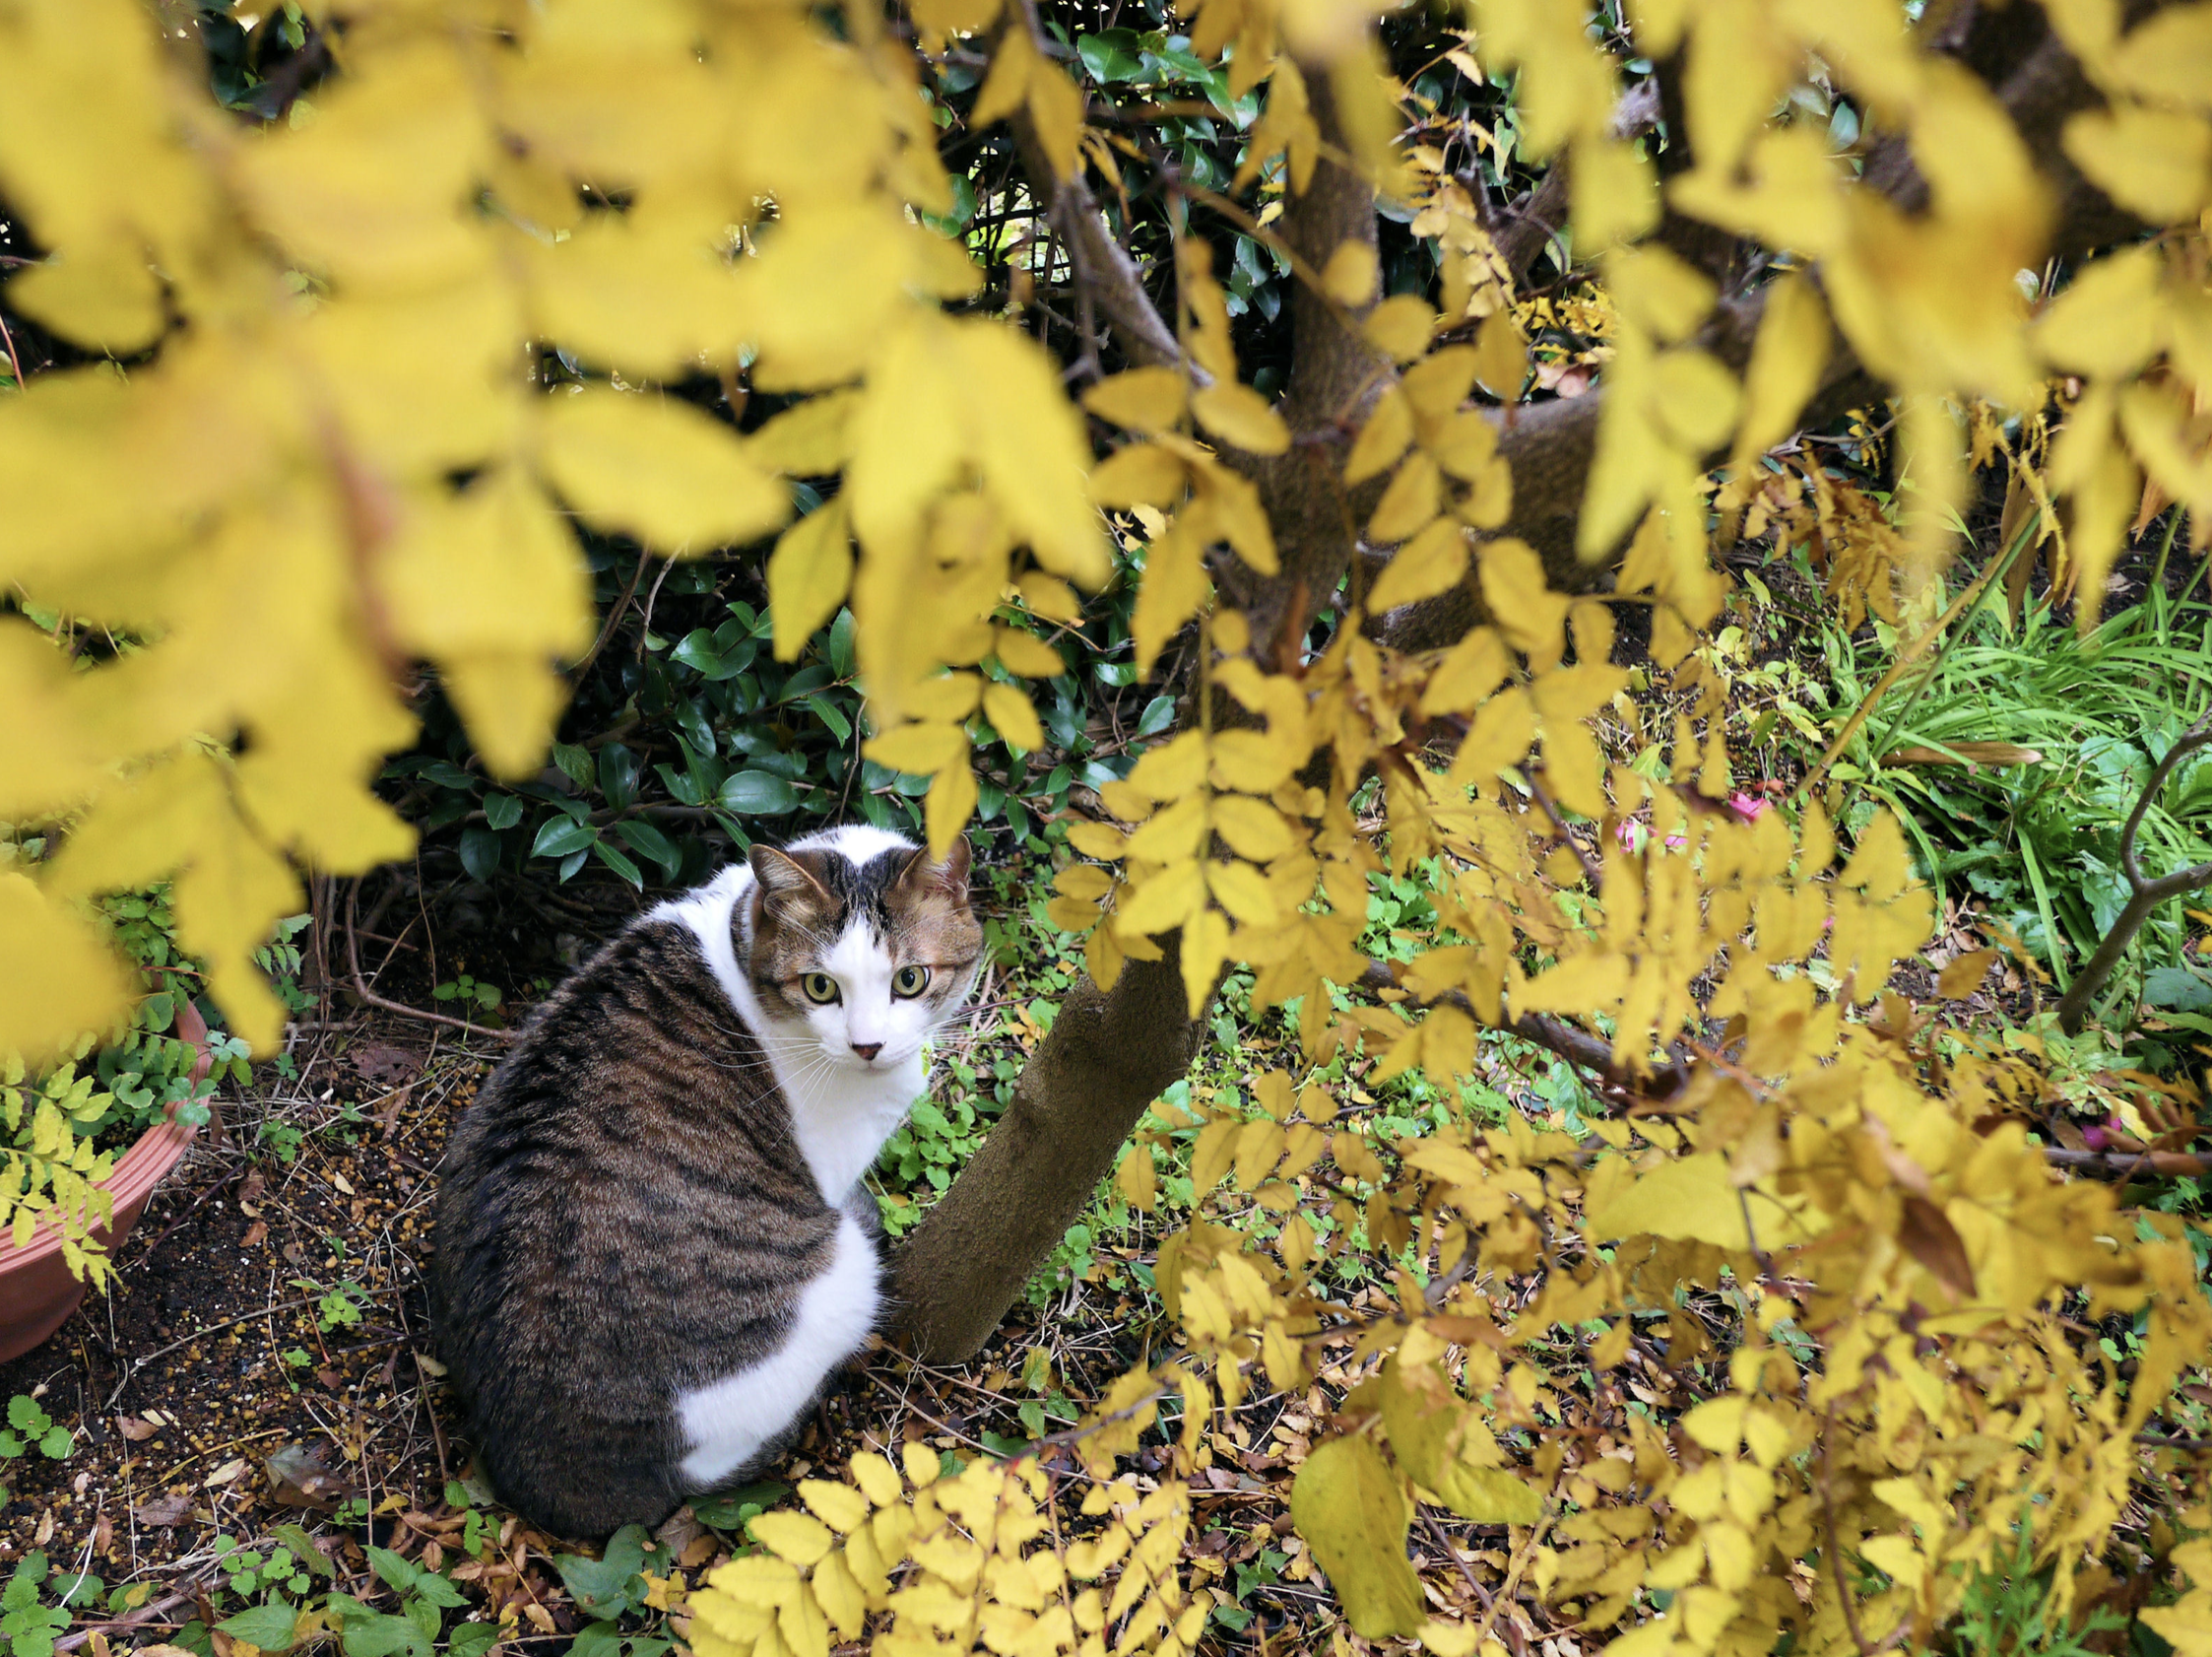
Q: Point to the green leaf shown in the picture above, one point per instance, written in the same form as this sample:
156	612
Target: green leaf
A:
2178	988
621	865
732	1512
374	1634
1347	1503
58	1443
598	1639
433	1587
575	763
559	836
423	1614
471	1639
267	1626
841	726
1114	54
648	841
25	1416
399	1572
601	1585
758	794
842	657
502	811
479	852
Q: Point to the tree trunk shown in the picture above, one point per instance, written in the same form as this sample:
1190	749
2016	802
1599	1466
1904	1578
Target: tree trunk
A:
1107	1056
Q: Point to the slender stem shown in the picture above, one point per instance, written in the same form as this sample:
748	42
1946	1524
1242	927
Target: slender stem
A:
15	366
2145	895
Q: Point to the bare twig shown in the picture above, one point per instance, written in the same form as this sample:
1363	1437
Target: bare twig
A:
1590	872
15	364
369	998
1577	1046
615	613
2145	895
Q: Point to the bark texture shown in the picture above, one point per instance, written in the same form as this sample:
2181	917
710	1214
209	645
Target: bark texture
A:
1107	1056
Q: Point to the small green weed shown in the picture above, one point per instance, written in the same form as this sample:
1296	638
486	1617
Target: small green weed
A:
31	1621
31	1429
470	991
620	1583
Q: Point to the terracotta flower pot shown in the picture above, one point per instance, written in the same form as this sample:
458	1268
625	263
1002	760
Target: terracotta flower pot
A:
36	1291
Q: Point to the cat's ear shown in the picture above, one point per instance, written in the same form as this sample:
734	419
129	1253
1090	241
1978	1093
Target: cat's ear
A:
947	877
785	881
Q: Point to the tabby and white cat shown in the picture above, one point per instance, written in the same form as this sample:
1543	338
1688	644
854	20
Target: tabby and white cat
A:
653	1245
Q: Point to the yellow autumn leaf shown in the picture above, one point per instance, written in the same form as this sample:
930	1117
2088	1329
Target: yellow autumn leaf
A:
57	977
657	469
1433	561
1240	416
1347	1504
1399	327
1012	717
2155	163
1024	652
1689	1197
1413	499
798	1538
1352	274
808	575
842	1507
1387	435
1501	357
1143	400
1137	474
2106	321
1786	358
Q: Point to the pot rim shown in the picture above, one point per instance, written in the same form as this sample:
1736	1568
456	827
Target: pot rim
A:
132	1180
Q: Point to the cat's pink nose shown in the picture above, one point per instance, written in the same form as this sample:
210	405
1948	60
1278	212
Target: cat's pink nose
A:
868	1049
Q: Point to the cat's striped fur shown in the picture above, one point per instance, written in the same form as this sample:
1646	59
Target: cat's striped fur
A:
652	1243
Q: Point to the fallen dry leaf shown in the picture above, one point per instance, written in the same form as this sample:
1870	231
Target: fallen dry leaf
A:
256	1234
386	1065
222	1475
299	1477
135	1429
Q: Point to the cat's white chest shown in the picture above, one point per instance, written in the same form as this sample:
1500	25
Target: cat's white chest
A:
841	1116
728	1420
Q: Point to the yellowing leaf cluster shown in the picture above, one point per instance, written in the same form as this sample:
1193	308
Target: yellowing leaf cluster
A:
957	1565
341	313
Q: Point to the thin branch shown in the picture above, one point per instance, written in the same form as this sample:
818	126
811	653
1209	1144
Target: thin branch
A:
15	364
2178	1164
615	613
369	998
2145	895
1098	261
1578	1048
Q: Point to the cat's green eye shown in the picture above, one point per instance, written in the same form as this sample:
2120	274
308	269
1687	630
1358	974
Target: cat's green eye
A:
820	987
910	982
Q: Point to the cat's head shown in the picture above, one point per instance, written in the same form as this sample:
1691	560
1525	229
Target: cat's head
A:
863	939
